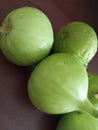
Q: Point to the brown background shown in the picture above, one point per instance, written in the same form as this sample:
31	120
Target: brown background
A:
16	111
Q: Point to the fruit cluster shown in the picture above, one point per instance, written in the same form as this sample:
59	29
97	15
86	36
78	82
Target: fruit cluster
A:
59	83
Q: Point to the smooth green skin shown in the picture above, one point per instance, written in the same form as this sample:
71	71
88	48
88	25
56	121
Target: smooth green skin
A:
93	89
77	120
29	37
59	84
78	39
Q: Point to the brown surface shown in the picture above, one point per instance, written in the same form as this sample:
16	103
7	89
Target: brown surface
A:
16	111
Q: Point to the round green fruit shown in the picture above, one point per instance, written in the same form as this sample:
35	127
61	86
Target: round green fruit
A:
78	39
77	120
26	36
59	84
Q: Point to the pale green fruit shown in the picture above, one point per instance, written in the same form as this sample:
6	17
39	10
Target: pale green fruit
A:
59	84
77	120
93	89
78	39
26	36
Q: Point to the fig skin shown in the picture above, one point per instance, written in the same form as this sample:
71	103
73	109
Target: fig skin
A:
77	120
26	36
59	84
77	38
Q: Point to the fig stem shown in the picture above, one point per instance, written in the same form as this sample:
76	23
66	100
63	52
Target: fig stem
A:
4	29
96	95
88	106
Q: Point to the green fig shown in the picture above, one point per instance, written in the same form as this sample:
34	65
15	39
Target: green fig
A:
77	120
26	36
59	84
78	39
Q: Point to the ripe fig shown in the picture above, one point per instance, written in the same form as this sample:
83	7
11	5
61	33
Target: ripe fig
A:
77	120
26	36
78	39
59	84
